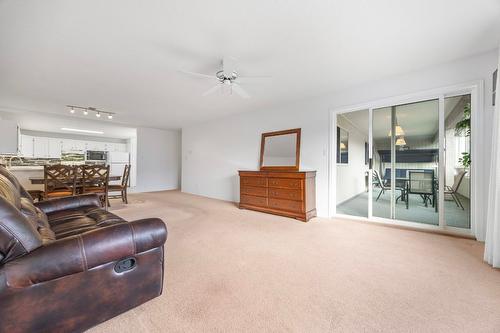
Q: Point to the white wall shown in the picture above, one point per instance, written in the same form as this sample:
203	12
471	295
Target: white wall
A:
158	159
351	177
214	151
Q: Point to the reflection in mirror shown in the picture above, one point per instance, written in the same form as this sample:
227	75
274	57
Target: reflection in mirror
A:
280	150
342	146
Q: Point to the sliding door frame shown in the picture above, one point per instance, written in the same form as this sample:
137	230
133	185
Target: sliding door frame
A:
476	90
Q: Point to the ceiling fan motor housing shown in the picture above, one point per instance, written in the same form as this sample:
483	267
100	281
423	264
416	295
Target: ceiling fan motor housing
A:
224	78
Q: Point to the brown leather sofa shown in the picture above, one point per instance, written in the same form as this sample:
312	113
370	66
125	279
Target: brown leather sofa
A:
67	264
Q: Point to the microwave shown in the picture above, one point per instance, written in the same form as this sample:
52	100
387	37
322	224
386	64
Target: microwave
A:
96	155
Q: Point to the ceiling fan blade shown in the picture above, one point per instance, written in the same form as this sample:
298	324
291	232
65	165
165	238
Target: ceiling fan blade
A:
256	77
211	90
239	90
199	75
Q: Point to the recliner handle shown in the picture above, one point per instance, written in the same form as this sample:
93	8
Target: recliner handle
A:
125	265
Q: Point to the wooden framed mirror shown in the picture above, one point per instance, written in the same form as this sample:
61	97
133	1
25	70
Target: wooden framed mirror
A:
280	150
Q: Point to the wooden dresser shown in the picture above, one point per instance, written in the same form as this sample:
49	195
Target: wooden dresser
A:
287	193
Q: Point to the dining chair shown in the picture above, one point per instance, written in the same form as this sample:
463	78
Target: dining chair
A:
122	188
95	180
59	181
453	190
377	181
421	183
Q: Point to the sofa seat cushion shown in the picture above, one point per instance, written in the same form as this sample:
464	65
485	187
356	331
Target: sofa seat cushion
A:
75	221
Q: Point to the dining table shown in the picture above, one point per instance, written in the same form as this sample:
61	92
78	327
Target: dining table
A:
403	182
41	180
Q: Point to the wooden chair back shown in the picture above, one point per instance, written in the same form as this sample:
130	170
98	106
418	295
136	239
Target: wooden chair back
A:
59	178
95	178
126	175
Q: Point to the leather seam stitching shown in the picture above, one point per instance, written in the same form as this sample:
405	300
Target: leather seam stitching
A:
133	237
82	251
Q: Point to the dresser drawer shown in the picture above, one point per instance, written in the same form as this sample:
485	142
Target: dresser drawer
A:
285	183
285	193
289	205
253	181
252	190
253	200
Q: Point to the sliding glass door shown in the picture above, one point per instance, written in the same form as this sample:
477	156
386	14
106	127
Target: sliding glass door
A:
352	172
457	163
406	155
406	162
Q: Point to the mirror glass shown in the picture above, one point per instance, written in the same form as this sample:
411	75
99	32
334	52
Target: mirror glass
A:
280	150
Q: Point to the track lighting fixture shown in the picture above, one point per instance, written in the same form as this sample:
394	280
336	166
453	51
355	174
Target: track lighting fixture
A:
86	110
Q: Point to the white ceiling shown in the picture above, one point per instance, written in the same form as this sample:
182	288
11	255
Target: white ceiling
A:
123	55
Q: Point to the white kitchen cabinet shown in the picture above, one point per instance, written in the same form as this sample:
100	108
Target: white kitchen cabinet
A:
69	145
95	145
121	147
116	147
26	146
110	147
9	136
40	147
55	148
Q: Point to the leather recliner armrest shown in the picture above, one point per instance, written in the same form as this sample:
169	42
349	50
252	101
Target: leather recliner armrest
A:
54	205
83	252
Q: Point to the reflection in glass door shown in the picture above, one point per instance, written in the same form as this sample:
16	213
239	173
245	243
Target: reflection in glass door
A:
353	181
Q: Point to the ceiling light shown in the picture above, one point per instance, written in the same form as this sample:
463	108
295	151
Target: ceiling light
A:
401	141
81	130
399	131
88	109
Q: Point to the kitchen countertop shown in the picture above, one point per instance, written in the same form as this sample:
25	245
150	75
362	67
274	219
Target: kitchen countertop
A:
26	168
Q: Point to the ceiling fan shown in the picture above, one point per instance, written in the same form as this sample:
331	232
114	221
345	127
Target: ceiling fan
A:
228	79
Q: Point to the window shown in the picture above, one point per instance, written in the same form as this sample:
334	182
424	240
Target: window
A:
342	146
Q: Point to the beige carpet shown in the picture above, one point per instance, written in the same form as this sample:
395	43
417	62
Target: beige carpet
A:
231	270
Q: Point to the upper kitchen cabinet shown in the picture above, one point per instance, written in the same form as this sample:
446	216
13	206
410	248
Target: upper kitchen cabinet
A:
95	145
9	136
69	145
116	147
55	148
47	147
40	147
26	148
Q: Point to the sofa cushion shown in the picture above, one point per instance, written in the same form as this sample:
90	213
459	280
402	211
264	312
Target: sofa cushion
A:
69	222
9	191
22	192
38	219
18	236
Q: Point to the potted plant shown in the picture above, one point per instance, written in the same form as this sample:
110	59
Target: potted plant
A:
462	128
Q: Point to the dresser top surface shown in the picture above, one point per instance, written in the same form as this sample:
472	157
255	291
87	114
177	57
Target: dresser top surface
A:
285	174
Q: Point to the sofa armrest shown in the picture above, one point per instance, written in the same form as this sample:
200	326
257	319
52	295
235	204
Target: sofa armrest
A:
83	252
54	205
